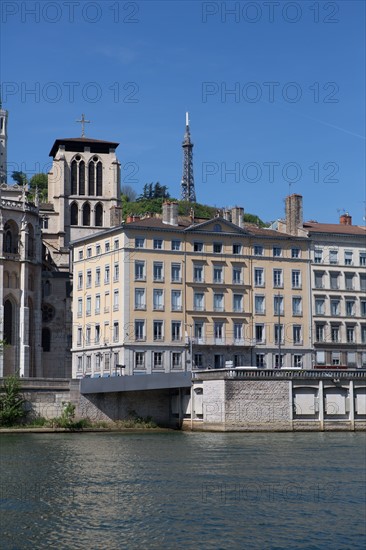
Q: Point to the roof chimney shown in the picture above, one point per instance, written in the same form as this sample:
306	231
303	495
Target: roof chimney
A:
237	214
294	217
345	219
173	213
166	212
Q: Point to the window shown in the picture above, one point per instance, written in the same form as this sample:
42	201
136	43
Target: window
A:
176	360
80	364
115	272
259	334
98	250
258	250
106	274
139	271
176	273
199	332
107	246
198	361
80	280
198	274
295	252
363	308
277	278
238	332
297	360
239	360
176	300
279	361
350	332
46	339
116	244
350	308
334	284
139	330
158	330
88	279
296	278
139	359
218	361
218	302
198	303
335	307
79	336
217	248
87	336
115	300
81	255
158	359
106	302
238	303
219	330
351	358
218	276
158	271
140	298
88	305
349	281
97	304
80	307
107	361
115	331
319	333
260	360
319	306
318	279
236	248
176	331
258	276
296	305
362	258
217	227
106	335
320	358
74	214
97	276
363	334
318	255
97	334
176	245
88	252
277	251
198	247
333	256
158	244
158	299
278	307
334	333
297	334
336	358
348	257
259	305
278	334
97	362
363	282
139	242
237	276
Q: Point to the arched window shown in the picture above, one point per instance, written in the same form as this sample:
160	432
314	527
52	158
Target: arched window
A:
91	179
10	243
74	177
86	214
46	339
217	227
99	179
99	215
74	214
82	178
31	250
8	322
47	288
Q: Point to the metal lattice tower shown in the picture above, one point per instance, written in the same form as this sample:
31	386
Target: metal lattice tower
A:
187	186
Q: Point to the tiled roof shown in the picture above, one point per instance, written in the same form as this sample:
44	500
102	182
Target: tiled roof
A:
314	227
72	144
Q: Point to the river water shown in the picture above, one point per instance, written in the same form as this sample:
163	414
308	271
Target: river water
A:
183	490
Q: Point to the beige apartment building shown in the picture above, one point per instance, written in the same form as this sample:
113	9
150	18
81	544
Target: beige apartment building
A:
164	294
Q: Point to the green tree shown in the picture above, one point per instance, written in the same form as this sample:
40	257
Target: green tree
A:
154	191
19	177
11	402
40	182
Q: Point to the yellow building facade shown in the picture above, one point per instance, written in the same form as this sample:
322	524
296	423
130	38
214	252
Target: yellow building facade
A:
165	294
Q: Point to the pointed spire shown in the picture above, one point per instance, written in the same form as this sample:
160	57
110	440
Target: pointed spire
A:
187	184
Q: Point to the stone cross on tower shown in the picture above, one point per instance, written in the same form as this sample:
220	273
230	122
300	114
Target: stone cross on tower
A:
83	121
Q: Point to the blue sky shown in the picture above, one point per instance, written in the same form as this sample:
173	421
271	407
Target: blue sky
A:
293	122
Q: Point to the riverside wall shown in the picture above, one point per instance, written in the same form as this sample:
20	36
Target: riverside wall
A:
225	400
